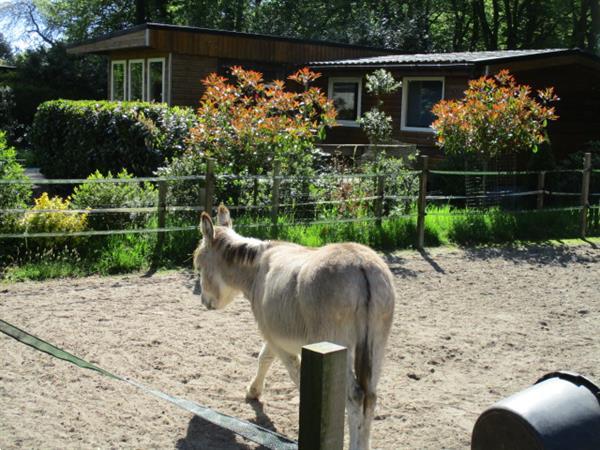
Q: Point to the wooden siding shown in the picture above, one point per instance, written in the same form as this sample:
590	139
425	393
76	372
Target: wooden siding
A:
251	48
131	40
454	87
187	72
578	87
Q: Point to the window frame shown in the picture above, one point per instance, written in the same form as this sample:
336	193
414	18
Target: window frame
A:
114	63
143	63
356	79
163	76
405	86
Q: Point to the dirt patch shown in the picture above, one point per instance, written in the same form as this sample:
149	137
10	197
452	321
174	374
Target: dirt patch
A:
471	327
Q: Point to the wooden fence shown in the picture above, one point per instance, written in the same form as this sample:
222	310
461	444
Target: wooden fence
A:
207	199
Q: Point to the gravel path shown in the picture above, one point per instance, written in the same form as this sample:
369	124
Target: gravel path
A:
471	327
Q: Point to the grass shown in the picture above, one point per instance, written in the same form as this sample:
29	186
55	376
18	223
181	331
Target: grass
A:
136	252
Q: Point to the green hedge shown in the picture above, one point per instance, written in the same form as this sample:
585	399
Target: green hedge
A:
72	139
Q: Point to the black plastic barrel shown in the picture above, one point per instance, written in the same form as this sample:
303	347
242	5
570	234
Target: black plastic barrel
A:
560	412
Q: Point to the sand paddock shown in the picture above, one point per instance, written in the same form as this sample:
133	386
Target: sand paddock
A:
471	327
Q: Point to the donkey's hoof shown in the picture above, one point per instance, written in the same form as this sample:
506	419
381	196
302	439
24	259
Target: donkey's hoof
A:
253	393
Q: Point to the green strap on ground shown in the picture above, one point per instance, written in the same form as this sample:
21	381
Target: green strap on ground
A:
250	431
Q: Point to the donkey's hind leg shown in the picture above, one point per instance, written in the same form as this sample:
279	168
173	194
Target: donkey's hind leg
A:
265	359
292	364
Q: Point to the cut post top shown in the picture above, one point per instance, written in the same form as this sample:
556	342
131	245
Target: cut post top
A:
324	347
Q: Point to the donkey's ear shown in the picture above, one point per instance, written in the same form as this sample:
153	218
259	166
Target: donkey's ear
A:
223	217
206	226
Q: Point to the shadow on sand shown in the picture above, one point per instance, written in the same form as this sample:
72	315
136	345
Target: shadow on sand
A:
204	435
542	254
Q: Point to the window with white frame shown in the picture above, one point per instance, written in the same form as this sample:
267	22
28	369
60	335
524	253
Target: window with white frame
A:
346	94
117	80
156	80
136	80
419	94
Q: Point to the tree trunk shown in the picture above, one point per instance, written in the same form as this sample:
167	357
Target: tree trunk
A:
140	11
594	32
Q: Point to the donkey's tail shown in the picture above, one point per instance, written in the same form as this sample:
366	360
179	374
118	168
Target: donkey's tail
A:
370	348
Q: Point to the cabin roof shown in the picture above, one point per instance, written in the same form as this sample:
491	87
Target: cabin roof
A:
89	47
452	59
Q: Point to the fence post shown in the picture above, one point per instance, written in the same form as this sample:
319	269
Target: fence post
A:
209	183
322	397
585	192
275	193
380	198
422	202
541	187
162	214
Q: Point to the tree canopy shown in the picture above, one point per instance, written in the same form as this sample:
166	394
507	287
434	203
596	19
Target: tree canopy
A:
410	25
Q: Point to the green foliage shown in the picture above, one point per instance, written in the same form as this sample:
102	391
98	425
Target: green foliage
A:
53	221
12	196
184	192
496	117
246	125
75	138
114	195
7	106
42	264
6	54
49	73
123	253
381	82
375	123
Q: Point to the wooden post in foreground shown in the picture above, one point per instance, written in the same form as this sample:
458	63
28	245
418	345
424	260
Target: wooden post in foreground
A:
209	183
275	193
540	187
585	194
380	198
322	397
162	219
422	203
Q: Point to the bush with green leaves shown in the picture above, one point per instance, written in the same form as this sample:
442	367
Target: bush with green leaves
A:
12	196
184	192
376	124
97	195
71	139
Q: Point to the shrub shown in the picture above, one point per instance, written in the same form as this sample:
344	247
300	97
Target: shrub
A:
247	124
497	116
75	138
53	222
376	124
12	196
184	192
114	195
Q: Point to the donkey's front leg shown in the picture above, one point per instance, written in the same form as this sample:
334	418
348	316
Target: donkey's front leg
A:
265	359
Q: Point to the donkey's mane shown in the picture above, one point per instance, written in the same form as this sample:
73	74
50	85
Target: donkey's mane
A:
236	249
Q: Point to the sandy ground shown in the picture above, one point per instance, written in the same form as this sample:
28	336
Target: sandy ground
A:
471	327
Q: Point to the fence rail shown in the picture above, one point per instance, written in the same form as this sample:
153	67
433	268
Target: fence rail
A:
379	198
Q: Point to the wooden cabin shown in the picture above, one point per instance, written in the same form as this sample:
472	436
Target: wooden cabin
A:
427	78
166	63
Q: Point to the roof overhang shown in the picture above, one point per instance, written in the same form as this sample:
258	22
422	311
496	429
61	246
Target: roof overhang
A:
142	36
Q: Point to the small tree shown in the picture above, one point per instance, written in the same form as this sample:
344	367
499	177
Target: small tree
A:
496	117
375	123
247	124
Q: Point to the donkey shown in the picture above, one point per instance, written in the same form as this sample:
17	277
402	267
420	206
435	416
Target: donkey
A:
342	293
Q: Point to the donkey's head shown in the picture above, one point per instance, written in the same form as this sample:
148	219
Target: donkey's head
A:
208	264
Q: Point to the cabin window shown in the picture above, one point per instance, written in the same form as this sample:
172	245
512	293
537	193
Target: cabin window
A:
418	97
346	94
136	80
156	80
117	80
